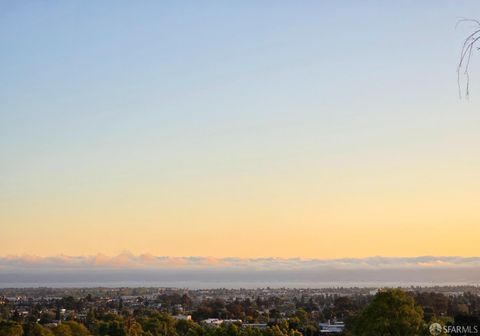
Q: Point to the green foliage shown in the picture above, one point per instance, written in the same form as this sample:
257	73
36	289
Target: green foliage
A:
302	315
5	311
134	329
461	308
188	328
158	324
391	313
112	328
62	330
76	329
36	329
10	328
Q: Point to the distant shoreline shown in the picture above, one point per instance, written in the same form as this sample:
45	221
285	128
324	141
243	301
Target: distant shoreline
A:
194	285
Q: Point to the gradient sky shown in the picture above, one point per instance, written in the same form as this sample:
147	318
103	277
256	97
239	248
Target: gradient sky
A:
316	129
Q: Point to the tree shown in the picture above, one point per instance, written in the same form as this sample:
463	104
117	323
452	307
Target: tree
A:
391	313
302	315
135	329
10	328
62	330
112	328
188	327
36	329
76	329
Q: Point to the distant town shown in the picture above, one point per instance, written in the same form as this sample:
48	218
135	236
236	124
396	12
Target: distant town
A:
222	312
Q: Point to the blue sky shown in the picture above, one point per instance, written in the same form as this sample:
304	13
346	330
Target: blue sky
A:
166	108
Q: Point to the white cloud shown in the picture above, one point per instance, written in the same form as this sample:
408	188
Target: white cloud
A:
127	260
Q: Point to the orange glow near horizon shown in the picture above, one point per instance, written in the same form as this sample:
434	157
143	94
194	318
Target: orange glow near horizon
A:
362	216
310	129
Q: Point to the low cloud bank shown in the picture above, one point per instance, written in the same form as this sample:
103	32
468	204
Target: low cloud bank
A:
127	261
127	269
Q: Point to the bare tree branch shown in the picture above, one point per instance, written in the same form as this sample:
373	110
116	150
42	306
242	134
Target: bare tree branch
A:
468	46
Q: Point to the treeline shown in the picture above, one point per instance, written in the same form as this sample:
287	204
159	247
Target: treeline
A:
389	312
152	324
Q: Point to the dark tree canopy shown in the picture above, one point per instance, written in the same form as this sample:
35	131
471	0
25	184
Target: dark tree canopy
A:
391	313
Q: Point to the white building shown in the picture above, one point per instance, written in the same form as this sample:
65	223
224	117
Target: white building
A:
335	328
212	321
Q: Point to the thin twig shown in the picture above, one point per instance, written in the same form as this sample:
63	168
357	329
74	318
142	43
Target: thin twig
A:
465	55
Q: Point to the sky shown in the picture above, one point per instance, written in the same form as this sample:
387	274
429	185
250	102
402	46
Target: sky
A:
314	129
